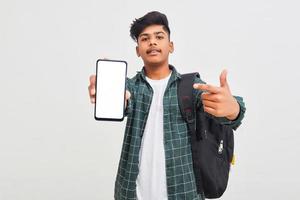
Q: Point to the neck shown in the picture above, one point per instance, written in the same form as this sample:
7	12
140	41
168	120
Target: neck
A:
157	72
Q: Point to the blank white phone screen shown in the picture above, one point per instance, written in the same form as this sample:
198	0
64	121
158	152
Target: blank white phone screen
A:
110	89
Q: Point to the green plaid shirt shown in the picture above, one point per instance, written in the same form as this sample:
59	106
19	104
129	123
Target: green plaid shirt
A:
179	167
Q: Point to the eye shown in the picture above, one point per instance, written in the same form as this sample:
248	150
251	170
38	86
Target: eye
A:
160	37
144	39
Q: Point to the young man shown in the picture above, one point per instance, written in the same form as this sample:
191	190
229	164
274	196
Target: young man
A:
156	161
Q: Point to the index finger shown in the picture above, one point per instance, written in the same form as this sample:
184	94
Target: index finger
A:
93	79
207	88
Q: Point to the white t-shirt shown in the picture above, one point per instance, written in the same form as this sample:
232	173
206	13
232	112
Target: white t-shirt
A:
151	180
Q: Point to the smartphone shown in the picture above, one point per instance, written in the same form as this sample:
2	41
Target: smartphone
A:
110	89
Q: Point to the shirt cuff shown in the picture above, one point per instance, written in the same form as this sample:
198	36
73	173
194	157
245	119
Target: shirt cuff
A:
128	108
234	124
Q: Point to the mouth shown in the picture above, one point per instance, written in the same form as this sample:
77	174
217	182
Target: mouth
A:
153	51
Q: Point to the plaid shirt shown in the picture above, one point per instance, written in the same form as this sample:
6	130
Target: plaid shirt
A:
179	167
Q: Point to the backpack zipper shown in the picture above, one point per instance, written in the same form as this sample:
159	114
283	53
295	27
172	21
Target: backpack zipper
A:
220	147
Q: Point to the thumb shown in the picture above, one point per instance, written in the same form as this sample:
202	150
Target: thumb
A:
223	79
127	95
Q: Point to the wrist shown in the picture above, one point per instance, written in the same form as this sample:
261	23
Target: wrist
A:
235	113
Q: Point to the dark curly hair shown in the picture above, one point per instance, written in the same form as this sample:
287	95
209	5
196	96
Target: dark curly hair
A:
151	18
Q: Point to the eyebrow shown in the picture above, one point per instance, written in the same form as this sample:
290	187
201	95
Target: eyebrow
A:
155	33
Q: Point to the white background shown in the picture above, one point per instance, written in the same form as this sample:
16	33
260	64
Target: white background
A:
52	148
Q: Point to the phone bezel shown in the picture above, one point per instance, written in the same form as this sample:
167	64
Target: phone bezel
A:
110	119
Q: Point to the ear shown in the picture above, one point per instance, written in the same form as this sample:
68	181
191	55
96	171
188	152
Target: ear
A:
171	45
137	51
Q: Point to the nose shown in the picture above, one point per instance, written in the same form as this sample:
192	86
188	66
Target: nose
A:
152	41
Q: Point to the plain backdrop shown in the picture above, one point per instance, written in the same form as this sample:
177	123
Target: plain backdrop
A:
52	148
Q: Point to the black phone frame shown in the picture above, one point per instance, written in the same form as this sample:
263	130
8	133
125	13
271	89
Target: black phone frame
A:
110	119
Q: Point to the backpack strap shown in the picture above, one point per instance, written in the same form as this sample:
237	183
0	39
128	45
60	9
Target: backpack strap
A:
186	100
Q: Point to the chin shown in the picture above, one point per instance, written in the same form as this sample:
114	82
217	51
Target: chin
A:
154	61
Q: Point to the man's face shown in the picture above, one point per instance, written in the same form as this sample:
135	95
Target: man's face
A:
154	45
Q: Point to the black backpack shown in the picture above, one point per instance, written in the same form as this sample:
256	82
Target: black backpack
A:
212	143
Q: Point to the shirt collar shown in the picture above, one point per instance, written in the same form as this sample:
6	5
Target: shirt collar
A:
174	76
